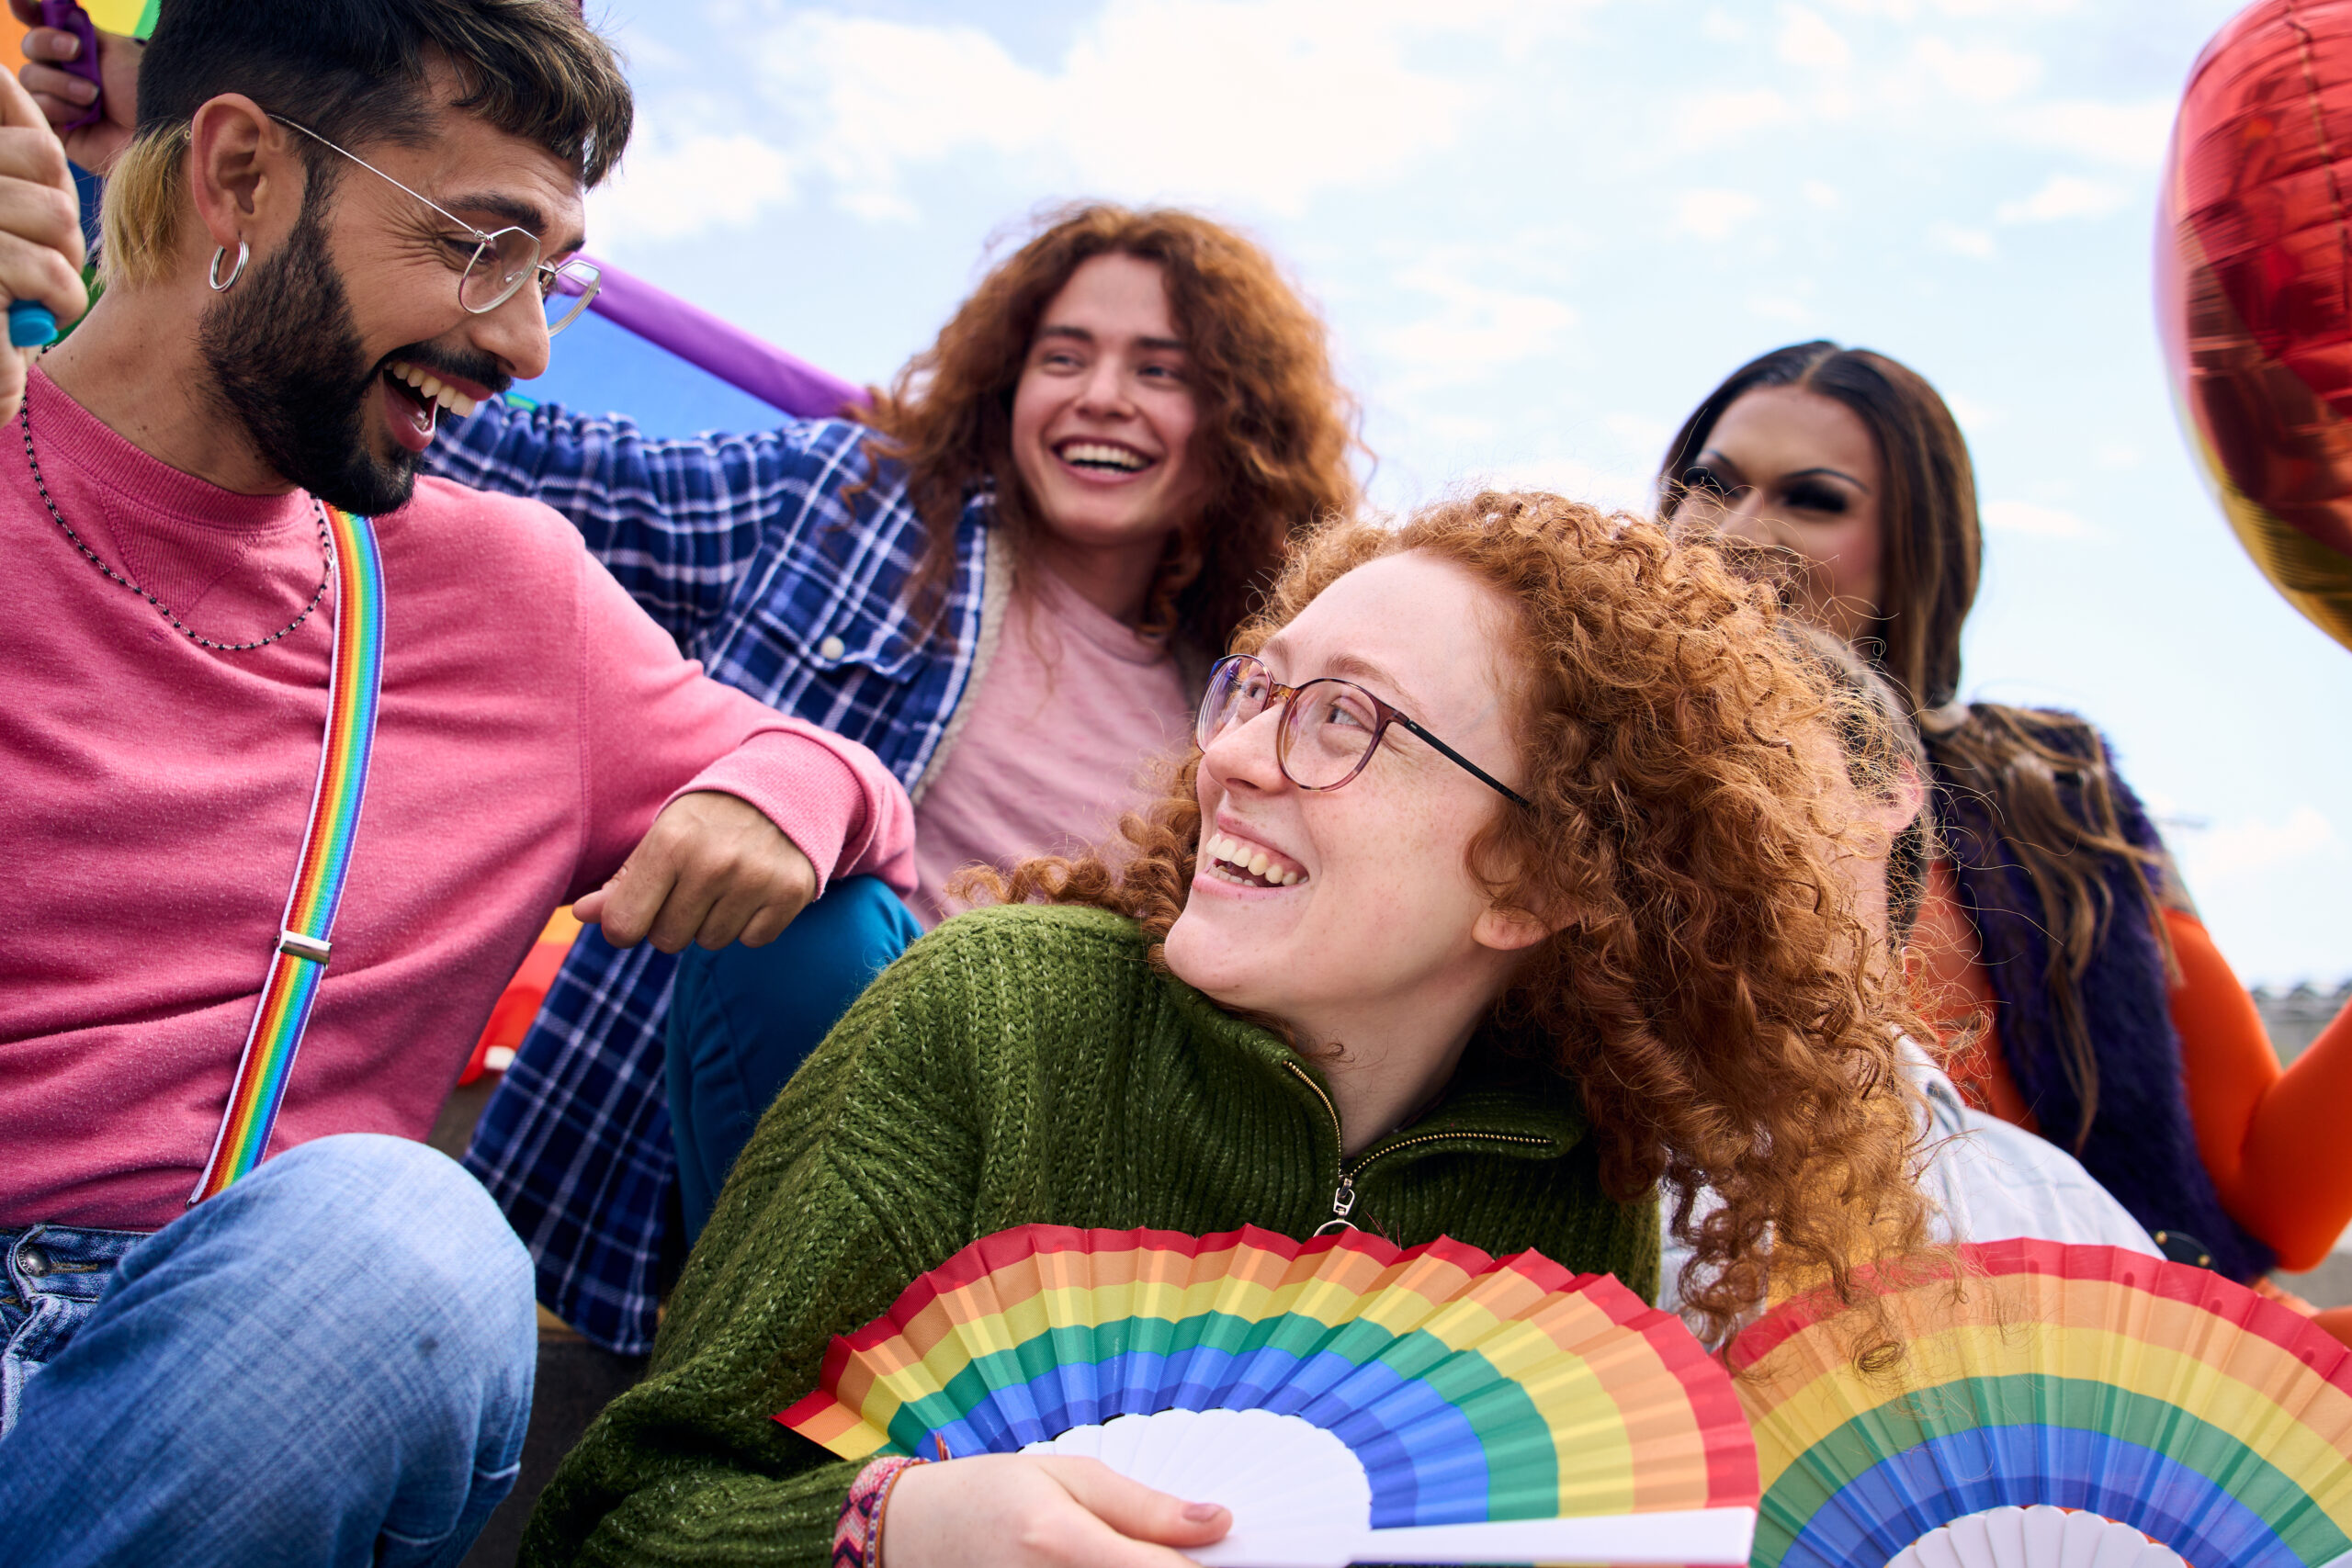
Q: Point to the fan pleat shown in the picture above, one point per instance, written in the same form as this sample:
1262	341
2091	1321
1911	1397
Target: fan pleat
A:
1469	1390
2087	1378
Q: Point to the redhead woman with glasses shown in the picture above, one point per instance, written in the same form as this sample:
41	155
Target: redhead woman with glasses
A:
1499	888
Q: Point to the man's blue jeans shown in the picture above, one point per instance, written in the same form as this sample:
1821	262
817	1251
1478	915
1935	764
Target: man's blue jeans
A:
328	1364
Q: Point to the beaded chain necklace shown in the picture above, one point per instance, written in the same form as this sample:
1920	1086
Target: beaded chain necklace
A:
326	546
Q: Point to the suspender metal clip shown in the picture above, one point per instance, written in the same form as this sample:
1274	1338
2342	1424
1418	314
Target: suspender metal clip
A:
300	946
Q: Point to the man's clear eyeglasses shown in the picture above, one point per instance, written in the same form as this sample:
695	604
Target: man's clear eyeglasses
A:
501	263
1330	727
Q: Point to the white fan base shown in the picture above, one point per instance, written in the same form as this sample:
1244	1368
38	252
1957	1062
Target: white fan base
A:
1300	1499
2038	1537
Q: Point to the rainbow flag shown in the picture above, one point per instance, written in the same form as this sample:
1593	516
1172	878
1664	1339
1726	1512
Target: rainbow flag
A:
300	963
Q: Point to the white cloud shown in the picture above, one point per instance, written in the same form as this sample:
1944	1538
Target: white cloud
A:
2251	845
1719	25
1263	102
1713	212
675	186
1614	488
1704	121
1910	10
1985	74
2130	135
2031	518
1960	240
1973	415
1808	40
2062	196
1476	329
2117	455
1778	308
1820	193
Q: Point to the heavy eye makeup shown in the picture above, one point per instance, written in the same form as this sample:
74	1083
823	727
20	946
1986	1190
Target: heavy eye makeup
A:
1811	495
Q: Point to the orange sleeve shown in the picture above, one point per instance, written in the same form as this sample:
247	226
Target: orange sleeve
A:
2273	1141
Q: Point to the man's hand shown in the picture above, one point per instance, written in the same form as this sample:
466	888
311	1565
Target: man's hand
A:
40	228
64	97
711	871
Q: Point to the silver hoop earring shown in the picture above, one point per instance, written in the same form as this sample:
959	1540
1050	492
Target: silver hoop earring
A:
236	271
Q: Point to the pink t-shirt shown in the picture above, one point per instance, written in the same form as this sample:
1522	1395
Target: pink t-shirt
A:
153	795
1074	717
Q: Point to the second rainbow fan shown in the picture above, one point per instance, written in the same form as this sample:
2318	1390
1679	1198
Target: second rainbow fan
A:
1349	1400
2187	1409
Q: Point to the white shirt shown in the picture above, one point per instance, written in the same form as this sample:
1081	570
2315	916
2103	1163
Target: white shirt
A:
1989	1182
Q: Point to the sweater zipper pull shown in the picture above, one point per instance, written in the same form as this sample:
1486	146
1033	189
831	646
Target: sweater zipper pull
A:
1343	1201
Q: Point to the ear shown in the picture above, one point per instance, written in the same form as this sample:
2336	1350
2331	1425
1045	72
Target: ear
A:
1510	931
1906	797
243	172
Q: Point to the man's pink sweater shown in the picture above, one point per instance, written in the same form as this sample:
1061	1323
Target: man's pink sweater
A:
153	795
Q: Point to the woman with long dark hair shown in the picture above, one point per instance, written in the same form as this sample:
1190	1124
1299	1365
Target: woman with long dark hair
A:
2080	994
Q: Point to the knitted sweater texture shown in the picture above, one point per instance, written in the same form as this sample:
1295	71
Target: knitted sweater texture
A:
1022	1066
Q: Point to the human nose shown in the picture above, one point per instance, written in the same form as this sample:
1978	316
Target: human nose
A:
515	332
1103	390
1740	515
1244	754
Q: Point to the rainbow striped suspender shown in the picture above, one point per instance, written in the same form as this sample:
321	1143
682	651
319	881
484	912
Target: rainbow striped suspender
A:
301	961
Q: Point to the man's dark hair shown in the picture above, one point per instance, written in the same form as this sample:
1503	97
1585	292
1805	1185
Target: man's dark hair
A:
354	71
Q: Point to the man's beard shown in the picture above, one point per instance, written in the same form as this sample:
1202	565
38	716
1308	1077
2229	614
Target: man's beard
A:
287	361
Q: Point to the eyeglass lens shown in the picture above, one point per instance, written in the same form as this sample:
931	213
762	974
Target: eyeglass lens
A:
1327	727
508	261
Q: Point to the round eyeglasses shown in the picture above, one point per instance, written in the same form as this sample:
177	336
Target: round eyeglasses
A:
1330	727
499	264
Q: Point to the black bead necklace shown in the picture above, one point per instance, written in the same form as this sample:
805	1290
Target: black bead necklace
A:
326	545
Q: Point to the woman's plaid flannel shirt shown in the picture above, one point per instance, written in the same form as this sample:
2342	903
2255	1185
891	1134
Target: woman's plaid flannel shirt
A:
745	549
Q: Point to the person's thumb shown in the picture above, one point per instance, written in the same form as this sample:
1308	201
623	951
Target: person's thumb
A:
1136	1511
16	106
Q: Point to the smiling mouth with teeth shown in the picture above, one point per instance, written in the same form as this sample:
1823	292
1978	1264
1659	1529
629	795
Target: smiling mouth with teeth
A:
1246	865
426	390
1103	455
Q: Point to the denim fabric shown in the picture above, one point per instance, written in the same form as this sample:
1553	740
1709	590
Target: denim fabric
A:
55	1276
328	1364
743	1018
782	559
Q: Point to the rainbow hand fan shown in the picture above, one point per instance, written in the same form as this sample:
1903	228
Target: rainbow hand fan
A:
1347	1400
2155	1394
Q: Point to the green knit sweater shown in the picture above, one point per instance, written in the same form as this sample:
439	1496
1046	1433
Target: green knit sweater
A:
1022	1065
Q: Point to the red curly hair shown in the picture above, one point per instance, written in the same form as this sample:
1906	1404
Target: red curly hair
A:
1275	429
1729	1020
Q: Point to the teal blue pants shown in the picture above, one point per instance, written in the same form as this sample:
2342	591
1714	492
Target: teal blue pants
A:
743	1018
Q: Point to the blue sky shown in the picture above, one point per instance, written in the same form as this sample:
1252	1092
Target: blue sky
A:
1541	230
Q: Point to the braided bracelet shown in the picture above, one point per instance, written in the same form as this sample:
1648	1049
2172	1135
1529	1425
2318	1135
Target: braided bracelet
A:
857	1537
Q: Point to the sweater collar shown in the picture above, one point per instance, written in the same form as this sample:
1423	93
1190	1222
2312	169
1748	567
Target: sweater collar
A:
71	438
1508	1106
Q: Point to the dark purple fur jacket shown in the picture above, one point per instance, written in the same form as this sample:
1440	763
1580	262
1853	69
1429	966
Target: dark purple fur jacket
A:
2141	1148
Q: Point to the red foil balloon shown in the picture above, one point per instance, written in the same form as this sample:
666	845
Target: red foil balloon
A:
2254	290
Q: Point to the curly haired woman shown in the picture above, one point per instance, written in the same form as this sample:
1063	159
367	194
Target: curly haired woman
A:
2056	943
1499	890
1008	578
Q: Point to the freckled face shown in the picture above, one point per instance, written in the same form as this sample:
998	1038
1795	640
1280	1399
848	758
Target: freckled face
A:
1792	468
1103	416
1324	904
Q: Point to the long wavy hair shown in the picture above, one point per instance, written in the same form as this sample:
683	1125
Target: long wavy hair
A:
1274	437
1727	1020
2044	774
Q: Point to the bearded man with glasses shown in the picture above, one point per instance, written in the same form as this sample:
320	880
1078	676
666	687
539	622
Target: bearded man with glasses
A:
246	1316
